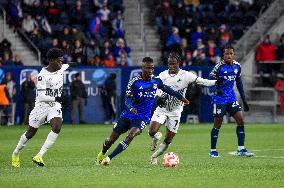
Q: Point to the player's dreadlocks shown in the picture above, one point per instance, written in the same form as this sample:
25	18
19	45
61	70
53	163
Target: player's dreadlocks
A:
54	53
176	56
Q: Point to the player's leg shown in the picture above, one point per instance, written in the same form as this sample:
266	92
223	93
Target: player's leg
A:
172	125
240	131
157	119
31	131
219	110
163	146
56	123
106	145
133	132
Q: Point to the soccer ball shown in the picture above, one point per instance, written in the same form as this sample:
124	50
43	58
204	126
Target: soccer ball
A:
170	160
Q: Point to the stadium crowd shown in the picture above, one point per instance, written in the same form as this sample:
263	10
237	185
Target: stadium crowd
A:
199	29
89	32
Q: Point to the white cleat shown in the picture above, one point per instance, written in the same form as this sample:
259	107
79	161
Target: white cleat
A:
155	140
154	160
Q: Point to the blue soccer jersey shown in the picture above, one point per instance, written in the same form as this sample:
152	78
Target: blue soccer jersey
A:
224	93
140	95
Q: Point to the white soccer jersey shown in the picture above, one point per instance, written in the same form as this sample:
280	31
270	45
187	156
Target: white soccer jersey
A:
179	82
49	85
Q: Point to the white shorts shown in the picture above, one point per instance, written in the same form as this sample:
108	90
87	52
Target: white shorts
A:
171	121
43	113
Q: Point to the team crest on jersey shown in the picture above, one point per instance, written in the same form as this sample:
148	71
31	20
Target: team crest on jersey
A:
155	86
236	71
218	111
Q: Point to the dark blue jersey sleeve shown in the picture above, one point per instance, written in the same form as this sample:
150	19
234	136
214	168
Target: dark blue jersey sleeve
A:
168	90
240	88
129	96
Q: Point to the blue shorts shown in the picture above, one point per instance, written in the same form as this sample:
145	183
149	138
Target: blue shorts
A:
219	110
124	124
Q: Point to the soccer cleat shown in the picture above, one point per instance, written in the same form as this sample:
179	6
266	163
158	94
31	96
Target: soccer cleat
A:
100	158
155	140
153	160
38	160
16	160
105	161
214	154
244	152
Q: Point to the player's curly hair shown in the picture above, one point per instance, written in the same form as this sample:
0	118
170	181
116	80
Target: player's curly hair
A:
176	56
229	46
147	60
54	53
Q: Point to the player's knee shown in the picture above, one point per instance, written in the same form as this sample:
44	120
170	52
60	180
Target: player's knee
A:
240	122
152	132
109	141
30	134
56	129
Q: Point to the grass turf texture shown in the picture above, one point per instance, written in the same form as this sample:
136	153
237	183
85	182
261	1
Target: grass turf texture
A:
70	162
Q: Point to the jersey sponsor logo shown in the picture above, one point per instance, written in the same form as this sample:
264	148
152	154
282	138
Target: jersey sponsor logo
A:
230	78
54	92
147	94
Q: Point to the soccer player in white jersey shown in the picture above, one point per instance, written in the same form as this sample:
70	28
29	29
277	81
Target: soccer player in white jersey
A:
47	106
169	112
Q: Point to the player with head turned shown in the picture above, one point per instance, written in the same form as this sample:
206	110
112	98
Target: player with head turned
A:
169	108
139	100
47	106
224	100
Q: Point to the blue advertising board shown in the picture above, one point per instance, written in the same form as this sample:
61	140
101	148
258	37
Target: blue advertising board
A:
93	78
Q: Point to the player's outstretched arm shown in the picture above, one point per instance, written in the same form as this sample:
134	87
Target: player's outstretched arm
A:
240	88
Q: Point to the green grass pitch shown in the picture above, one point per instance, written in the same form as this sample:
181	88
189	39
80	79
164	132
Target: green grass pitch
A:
70	162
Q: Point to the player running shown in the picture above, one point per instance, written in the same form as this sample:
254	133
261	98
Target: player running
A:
47	106
169	110
139	100
224	100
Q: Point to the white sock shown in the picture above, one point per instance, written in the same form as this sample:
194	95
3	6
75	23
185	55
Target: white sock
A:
21	144
157	136
48	143
213	150
241	147
163	147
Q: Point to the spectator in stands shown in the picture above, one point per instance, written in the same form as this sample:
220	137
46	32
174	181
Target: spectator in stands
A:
185	52
53	12
189	26
18	60
43	25
66	35
79	98
5	46
65	47
120	48
78	14
78	50
212	52
200	59
280	49
109	62
7	60
29	24
117	25
36	37
106	49
77	34
55	43
105	15
279	86
16	14
174	41
198	34
122	60
100	3
179	14
266	51
4	102
28	94
165	14
96	28
91	51
11	88
199	46
108	95
212	34
225	36
96	62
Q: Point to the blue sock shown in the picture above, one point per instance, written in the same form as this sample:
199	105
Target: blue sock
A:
120	147
240	130
214	137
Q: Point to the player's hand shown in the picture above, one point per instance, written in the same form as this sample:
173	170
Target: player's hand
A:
246	106
161	101
59	99
220	81
133	111
185	101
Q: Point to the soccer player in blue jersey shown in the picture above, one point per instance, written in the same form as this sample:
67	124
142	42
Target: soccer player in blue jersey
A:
139	100
225	100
